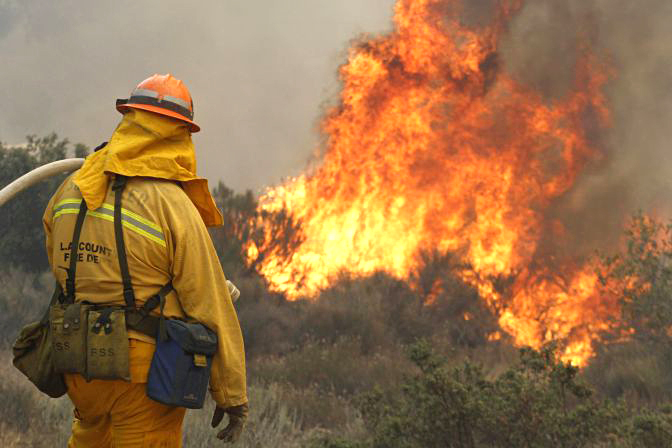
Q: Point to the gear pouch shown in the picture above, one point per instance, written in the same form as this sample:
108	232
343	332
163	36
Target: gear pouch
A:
33	357
180	370
107	345
68	337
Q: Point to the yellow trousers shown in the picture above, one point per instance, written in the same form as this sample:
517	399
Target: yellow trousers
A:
118	414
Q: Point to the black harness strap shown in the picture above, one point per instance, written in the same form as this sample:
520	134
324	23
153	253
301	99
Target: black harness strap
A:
118	188
136	319
163	334
103	321
72	269
156	299
140	319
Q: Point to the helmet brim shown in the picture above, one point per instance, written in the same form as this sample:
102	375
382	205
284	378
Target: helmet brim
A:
123	108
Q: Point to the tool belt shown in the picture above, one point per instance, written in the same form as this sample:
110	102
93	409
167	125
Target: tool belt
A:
92	339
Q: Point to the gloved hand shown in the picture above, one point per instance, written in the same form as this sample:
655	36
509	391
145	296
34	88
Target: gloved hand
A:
237	419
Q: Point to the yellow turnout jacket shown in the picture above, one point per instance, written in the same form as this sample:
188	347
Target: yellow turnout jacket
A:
166	241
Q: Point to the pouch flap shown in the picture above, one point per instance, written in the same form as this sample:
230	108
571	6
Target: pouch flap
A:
71	317
192	337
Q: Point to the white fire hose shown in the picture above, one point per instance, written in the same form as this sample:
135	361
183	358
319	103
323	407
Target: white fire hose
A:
37	175
52	169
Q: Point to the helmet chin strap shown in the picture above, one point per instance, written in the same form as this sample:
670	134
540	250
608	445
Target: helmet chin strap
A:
37	175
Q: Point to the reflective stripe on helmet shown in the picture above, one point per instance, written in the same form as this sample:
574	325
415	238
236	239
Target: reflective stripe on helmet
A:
153	94
179	101
149	97
145	92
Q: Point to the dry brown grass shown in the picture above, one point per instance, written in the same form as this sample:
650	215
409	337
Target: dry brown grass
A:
31	419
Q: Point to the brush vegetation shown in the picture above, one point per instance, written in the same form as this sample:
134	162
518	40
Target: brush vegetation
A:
368	363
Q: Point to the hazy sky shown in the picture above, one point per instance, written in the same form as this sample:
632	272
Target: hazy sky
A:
260	71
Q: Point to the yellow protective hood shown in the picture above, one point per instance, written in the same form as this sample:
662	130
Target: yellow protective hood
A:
150	145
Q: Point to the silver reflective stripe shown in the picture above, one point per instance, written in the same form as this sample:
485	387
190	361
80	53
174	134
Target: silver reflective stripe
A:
132	221
147	228
153	94
72	205
178	101
145	92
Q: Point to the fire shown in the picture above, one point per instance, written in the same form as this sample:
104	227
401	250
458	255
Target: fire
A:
434	147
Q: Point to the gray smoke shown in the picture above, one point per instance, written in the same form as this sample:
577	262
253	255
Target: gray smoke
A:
259	71
636	37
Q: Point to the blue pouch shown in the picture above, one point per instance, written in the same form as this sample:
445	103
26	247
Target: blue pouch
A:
180	370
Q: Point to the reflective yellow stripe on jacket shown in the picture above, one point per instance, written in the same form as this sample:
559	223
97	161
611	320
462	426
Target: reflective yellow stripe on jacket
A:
130	220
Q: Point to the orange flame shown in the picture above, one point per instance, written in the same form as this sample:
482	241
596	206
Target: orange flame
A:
433	147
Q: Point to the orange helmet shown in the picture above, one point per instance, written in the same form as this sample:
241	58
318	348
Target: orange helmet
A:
162	94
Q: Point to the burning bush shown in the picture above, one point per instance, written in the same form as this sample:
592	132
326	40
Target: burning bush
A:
434	147
251	235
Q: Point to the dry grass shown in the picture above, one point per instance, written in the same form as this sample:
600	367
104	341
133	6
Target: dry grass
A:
304	373
27	417
31	419
271	423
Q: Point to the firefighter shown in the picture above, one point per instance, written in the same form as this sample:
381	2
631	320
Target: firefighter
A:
164	209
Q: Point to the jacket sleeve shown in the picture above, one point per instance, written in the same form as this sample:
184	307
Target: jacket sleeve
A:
204	296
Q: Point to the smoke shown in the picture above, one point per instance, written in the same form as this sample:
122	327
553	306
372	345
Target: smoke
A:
541	49
258	70
8	13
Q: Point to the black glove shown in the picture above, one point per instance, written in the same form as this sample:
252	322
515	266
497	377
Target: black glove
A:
237	419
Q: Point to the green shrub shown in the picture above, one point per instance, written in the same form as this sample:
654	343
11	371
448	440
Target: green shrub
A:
537	403
641	276
650	429
634	370
24	297
22	242
341	368
634	360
